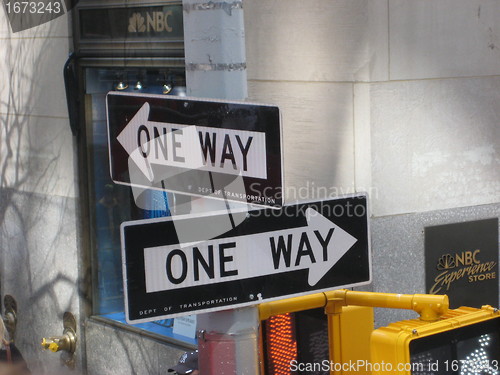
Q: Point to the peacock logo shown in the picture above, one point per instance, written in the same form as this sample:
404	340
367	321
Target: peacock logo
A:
446	262
136	23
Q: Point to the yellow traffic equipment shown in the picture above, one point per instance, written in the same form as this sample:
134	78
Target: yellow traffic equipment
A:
463	341
441	341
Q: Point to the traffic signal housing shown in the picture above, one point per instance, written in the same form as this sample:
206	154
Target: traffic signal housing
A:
463	341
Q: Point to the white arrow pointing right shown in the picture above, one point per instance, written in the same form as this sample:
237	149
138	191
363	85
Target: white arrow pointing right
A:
316	247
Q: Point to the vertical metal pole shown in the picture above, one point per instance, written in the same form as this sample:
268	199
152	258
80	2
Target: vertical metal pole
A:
214	43
333	309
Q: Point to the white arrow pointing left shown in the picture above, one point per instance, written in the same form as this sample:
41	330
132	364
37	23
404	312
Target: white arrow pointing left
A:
212	149
149	142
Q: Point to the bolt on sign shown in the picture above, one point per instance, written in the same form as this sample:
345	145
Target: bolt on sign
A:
224	150
272	253
461	260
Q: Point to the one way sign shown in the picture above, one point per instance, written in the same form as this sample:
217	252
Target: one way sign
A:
224	150
273	253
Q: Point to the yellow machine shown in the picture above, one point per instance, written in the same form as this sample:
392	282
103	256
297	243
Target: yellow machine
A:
441	341
463	341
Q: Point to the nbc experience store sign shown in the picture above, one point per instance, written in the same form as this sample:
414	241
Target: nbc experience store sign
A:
462	261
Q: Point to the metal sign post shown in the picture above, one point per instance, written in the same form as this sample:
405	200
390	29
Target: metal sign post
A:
216	67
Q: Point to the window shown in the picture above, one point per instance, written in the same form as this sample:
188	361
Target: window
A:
111	204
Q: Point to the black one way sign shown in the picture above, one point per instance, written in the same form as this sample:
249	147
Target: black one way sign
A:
224	150
271	254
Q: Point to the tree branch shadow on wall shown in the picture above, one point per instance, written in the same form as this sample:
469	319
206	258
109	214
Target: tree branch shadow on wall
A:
36	215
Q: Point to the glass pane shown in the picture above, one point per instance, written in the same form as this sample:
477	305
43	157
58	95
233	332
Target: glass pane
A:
479	354
473	349
112	204
109	211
